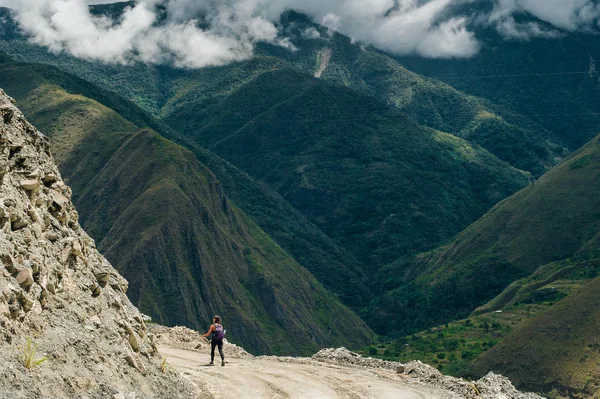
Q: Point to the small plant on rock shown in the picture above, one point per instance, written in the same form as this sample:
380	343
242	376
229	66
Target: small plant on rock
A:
164	366
28	353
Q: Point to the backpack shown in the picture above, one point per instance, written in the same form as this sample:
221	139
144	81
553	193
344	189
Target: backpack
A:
219	332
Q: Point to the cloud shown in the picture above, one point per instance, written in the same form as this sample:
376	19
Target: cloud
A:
561	15
199	33
67	25
222	31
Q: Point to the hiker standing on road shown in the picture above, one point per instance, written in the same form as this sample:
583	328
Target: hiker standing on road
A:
217	333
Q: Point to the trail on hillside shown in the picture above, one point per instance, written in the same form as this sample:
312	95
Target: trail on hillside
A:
270	377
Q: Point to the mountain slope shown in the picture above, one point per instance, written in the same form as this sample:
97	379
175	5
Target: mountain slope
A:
366	175
552	81
165	221
555	352
520	141
555	219
339	270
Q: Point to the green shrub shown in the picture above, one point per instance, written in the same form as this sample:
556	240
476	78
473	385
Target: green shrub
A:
28	353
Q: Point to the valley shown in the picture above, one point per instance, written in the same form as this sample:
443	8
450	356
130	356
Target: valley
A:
318	192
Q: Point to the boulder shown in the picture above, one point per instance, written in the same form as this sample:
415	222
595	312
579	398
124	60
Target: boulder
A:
51	288
27	236
51	236
77	250
26	302
14	309
34	174
25	278
133	341
30	185
19	224
59	201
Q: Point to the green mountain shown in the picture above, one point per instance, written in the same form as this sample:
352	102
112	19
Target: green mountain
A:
540	330
537	246
551	81
364	173
521	141
556	351
164	220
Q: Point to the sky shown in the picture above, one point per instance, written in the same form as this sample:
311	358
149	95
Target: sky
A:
421	27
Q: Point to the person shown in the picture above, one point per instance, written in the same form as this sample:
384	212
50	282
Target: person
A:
218	333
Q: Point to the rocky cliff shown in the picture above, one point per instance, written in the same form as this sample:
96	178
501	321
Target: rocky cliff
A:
67	328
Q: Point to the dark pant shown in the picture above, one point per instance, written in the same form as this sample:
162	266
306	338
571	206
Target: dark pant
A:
214	343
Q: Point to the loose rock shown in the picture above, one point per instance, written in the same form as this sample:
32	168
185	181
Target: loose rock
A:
30	185
25	278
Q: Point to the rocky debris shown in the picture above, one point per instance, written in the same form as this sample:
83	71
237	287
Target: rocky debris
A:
232	350
186	338
492	386
58	295
343	356
495	386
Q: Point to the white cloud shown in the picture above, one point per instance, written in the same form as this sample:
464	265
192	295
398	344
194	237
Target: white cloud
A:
231	28
566	15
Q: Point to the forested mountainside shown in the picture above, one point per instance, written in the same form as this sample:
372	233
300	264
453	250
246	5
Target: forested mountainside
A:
557	349
549	221
164	219
370	178
518	140
530	267
552	80
510	136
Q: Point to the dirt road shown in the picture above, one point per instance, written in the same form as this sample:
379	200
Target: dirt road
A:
272	378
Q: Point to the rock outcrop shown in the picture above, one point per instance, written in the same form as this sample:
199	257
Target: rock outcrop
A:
67	328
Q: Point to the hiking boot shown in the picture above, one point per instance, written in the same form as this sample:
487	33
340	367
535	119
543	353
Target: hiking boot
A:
211	363
223	363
